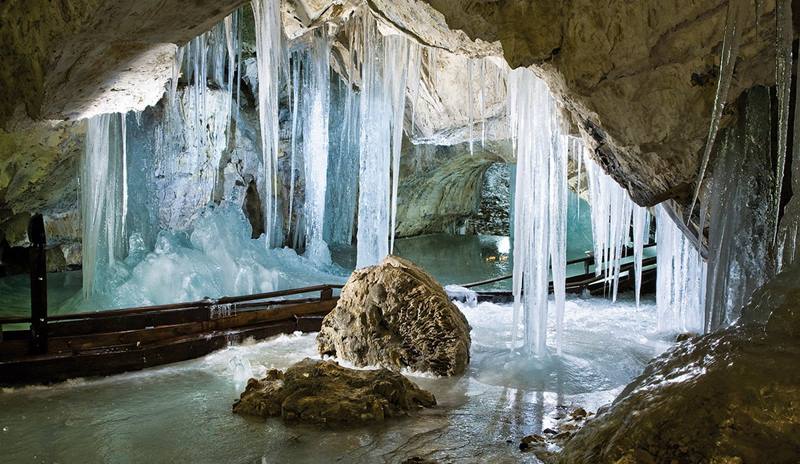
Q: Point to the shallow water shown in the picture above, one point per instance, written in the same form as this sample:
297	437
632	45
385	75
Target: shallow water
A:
181	412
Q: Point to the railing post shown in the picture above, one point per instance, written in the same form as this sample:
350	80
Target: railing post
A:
38	265
326	293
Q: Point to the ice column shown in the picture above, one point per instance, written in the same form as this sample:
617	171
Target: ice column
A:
103	199
342	191
382	104
269	54
539	207
681	291
315	144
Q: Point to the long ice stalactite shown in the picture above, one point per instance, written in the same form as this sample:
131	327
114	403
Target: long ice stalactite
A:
539	207
681	279
734	23
316	101
270	58
382	105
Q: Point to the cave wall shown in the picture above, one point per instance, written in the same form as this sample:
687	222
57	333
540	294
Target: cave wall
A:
638	78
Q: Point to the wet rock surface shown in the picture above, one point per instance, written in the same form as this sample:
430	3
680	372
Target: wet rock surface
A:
323	392
729	396
397	316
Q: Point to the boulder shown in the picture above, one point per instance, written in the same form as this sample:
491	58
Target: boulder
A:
397	316
322	392
728	396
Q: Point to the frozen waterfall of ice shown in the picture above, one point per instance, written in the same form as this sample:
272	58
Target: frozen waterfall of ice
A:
103	199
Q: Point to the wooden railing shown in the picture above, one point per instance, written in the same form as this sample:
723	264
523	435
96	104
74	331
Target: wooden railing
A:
587	261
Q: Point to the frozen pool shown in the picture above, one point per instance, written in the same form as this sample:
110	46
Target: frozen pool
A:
182	412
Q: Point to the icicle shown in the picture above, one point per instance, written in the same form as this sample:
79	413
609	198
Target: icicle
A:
295	97
730	52
483	102
641	224
382	103
783	79
558	224
415	80
680	293
612	210
316	85
470	116
269	57
539	207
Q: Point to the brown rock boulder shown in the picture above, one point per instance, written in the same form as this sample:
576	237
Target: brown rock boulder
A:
396	315
322	392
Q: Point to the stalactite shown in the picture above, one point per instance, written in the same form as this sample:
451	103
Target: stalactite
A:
269	55
730	52
316	110
382	105
539	207
783	79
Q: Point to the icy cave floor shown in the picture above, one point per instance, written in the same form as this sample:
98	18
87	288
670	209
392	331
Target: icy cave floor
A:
182	412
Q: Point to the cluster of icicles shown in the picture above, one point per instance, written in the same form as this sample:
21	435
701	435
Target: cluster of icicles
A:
540	229
356	134
351	132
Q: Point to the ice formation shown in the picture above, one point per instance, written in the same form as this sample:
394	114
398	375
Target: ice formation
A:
739	242
641	235
783	77
681	279
539	207
730	52
342	190
270	59
382	105
612	213
316	110
103	198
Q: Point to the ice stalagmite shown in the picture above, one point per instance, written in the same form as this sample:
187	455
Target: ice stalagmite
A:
382	106
730	52
103	199
269	55
681	278
316	102
539	207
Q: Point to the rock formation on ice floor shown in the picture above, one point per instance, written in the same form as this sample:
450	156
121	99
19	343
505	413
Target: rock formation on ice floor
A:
396	315
322	392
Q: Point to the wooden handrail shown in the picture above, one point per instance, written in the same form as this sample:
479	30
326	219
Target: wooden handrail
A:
179	306
574	261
